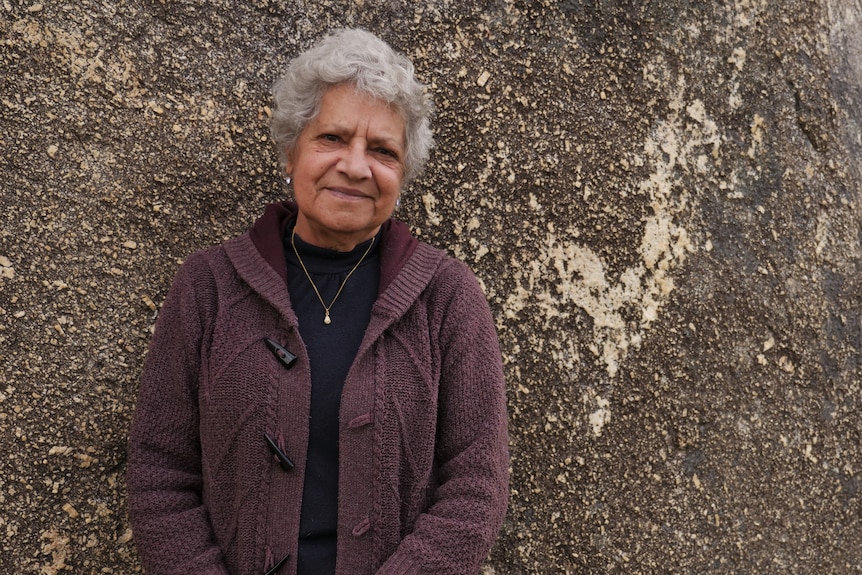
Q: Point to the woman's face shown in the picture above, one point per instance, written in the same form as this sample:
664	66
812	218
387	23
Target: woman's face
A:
347	168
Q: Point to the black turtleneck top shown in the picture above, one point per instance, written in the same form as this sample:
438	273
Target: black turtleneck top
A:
331	350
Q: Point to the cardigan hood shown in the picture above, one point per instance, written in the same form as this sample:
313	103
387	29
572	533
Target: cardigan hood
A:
396	246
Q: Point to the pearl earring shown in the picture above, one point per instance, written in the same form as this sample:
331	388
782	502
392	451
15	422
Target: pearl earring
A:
288	179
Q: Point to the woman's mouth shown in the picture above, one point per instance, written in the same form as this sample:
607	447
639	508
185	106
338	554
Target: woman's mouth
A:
347	193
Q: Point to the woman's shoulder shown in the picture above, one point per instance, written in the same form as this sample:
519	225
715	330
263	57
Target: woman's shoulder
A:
206	261
447	265
204	272
450	276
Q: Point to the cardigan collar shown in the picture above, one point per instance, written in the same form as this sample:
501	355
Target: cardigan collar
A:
397	244
407	266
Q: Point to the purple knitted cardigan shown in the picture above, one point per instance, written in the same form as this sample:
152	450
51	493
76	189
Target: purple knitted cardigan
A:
423	480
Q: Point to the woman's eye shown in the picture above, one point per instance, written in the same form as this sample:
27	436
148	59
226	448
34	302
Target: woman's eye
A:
387	152
330	137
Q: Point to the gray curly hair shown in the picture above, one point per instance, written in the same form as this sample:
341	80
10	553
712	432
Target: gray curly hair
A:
357	57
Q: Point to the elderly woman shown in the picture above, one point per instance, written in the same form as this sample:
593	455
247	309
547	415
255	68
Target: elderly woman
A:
324	394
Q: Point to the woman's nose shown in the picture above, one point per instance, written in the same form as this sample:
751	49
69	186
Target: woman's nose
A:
354	162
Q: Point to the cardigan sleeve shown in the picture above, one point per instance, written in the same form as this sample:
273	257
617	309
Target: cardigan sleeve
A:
170	523
468	506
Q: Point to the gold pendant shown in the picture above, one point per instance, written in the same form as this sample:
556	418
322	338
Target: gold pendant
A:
326	319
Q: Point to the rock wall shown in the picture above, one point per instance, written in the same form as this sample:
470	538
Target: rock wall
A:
663	201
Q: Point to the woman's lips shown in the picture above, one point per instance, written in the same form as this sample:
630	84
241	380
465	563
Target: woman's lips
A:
348	193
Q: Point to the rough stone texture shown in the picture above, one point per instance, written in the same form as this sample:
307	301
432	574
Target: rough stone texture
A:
662	199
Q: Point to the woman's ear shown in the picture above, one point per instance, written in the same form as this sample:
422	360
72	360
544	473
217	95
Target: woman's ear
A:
288	160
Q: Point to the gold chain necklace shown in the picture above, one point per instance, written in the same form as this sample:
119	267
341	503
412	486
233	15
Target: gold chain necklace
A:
326	319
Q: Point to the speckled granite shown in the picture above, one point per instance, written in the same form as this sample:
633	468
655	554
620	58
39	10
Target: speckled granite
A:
662	199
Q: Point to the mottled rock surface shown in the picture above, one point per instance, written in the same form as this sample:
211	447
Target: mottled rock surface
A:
663	200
